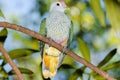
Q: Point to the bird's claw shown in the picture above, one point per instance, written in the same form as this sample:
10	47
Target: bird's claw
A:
50	41
64	49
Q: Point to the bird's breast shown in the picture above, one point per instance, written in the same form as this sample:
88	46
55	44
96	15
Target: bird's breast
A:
58	27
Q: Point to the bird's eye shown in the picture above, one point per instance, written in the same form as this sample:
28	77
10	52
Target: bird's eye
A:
58	4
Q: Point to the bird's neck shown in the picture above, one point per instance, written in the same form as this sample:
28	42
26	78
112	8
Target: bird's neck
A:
56	12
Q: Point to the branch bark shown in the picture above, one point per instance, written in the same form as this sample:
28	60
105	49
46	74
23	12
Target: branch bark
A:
57	46
9	60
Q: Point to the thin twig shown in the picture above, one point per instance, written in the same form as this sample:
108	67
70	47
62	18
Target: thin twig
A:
59	47
9	60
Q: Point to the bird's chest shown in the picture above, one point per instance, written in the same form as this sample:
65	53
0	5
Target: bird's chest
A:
58	27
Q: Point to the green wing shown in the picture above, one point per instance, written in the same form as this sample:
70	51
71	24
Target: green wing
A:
70	35
43	28
43	32
70	30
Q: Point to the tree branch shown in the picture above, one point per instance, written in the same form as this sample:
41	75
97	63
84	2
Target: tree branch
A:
59	47
9	60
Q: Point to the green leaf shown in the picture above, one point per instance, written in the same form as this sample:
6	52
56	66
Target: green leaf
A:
1	57
69	60
1	14
17	53
3	73
112	66
76	74
113	13
67	66
84	49
107	58
117	78
3	35
96	7
98	77
22	70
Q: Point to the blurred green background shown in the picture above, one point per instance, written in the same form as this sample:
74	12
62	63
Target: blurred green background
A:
96	38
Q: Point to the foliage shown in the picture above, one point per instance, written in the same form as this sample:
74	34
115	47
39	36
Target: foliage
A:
84	49
22	70
113	10
17	53
14	54
81	71
1	14
97	9
96	30
3	35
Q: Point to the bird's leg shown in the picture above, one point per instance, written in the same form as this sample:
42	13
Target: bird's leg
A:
50	40
64	48
64	44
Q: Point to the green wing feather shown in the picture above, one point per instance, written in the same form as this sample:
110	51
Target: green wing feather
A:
70	35
43	27
71	30
43	32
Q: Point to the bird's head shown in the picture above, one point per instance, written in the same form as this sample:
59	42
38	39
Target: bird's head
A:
58	6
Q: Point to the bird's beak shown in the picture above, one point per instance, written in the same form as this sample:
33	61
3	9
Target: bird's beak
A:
67	10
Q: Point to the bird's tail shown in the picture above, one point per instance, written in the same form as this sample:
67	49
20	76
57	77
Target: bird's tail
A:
50	65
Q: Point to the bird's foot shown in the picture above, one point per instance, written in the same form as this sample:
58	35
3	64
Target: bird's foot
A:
64	49
50	41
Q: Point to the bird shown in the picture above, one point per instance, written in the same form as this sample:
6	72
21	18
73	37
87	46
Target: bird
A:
58	27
